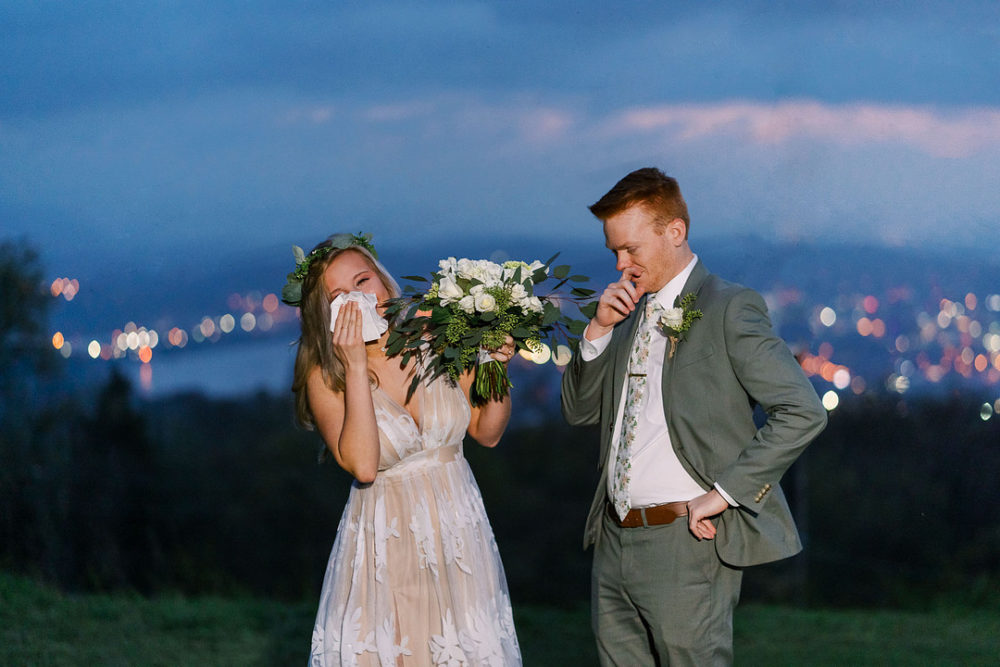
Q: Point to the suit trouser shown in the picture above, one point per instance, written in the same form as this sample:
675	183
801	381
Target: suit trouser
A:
661	597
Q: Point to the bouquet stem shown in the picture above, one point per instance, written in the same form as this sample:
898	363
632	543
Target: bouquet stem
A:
491	383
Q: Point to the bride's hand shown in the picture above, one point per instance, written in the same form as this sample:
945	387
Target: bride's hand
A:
348	345
505	352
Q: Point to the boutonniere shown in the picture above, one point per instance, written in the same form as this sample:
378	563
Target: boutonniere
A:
676	321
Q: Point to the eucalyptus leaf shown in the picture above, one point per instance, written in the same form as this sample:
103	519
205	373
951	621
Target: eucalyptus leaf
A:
292	293
414	383
550	315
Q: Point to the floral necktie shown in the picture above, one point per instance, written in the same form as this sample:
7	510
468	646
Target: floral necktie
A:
634	395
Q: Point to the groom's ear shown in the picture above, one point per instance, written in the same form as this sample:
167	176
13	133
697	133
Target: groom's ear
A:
676	232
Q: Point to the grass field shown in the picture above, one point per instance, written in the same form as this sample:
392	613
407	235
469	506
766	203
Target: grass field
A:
41	626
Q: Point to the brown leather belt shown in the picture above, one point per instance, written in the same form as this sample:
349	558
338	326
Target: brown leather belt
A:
657	515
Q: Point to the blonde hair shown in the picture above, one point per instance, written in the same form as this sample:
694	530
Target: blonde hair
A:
315	344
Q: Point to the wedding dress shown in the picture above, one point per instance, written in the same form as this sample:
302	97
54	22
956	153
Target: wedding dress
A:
415	576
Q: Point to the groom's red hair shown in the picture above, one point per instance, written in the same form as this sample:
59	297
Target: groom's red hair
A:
649	187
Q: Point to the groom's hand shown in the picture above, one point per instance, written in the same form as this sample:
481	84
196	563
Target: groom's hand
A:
615	304
700	512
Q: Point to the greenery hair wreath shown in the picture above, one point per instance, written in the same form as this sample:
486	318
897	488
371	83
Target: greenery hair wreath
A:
291	293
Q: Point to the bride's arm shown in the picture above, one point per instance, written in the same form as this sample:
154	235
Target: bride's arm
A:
490	420
347	420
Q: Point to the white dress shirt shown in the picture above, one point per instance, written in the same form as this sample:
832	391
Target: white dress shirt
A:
657	474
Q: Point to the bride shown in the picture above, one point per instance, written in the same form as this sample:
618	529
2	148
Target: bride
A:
415	576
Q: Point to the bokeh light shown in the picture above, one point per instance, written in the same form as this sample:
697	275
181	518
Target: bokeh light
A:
65	288
207	328
270	303
831	400
562	355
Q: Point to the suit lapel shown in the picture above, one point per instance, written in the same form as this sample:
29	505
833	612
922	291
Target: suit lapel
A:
693	284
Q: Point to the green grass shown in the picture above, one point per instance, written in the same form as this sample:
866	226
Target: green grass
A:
41	626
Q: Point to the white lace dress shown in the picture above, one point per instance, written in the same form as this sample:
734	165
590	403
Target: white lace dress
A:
415	576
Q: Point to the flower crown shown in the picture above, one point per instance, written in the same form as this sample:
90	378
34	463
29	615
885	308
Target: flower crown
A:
291	293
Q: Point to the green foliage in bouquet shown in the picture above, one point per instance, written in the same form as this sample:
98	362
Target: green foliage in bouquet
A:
474	305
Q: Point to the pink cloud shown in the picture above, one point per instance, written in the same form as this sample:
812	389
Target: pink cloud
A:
939	132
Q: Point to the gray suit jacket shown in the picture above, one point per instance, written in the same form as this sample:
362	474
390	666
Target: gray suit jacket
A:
730	360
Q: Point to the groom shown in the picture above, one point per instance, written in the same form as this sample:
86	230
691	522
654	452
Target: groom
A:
689	490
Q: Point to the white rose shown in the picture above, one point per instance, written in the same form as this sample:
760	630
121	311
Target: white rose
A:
534	266
468	303
535	304
672	317
474	270
485	303
464	268
517	293
492	273
448	290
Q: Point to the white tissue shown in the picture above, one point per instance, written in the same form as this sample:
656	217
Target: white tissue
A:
373	325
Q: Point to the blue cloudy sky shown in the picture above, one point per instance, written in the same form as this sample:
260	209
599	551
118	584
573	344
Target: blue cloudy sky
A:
136	132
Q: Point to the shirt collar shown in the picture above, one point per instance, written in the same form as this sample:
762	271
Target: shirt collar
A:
666	296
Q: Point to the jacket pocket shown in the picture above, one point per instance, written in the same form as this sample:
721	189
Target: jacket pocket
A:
693	356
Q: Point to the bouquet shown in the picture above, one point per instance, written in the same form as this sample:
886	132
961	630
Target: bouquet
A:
471	308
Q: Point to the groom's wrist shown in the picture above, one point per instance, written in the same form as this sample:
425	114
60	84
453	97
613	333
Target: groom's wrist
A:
595	331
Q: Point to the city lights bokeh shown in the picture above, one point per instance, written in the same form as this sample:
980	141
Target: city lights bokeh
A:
927	343
255	314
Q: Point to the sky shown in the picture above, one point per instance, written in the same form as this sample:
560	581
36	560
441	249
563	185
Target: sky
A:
139	136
